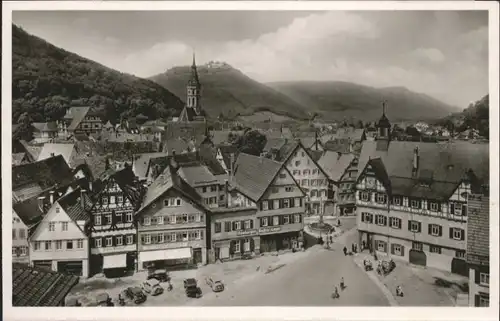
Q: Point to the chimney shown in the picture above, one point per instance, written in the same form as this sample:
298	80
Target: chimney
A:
231	167
416	158
82	197
52	155
226	191
41	204
51	197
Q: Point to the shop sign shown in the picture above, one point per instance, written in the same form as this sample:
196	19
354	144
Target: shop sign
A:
246	232
264	230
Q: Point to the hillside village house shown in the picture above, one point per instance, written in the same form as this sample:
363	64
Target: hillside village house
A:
411	198
80	120
478	250
60	241
25	216
113	233
343	169
278	222
172	224
311	178
44	132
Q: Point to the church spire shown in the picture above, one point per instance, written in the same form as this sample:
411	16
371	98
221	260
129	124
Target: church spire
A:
194	81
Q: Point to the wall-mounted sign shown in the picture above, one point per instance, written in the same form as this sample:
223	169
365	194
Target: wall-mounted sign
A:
265	230
247	232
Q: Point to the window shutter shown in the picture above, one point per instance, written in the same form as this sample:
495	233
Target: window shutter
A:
270	204
92	243
428	205
103	242
231	248
261	206
409	225
300	218
134	238
440	230
477	276
362	216
251	224
452	208
280	219
270	221
292	202
476	300
242	225
385	220
464	210
392	248
429	229
233	226
385	247
419	227
402	250
252	245
462	235
242	246
451	233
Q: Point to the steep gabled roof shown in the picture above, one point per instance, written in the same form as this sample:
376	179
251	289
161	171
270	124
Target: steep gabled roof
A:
71	203
28	211
77	114
50	150
46	173
32	287
254	174
335	164
126	180
478	226
17	158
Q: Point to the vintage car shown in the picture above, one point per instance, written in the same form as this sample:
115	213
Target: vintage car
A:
103	300
133	294
73	302
152	286
215	285
191	288
159	274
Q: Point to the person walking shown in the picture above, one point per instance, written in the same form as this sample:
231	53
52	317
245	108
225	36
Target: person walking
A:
342	284
345	250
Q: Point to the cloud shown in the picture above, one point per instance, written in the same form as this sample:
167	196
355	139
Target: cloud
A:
431	54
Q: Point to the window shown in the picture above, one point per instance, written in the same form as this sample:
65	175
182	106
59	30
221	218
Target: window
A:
57	209
98	242
434	207
48	245
119	240
69	245
197	235
79	244
381	198
282	175
381	220
246	245
460	254
457	234
173	237
112	200
288	189
217	227
286	203
147	239
22	233
109	241
381	246
129	239
119	199
161	238
366	217
104	200
52	227
237	225
129	217
37	245
286	219
185	237
166	202
365	196
14	234
296	218
484	279
198	217
435	230
147	221
304	182
276	220
97	220
154	221
237	247
204	189
397	249
107	219
435	249
58	245
64	226
395	222
24	250
297	202
247	224
159	220
417	246
119	218
297	163
396	200
178	202
456	208
415	204
213	188
263	221
484	301
414	226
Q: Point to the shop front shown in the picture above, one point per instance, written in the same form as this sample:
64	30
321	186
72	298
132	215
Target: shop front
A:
170	259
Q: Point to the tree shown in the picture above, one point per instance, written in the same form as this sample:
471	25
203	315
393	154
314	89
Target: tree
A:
252	142
412	131
24	130
360	124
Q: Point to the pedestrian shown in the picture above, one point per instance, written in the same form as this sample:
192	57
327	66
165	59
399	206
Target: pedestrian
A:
342	285
352	247
399	291
338	222
331	239
363	245
345	250
336	293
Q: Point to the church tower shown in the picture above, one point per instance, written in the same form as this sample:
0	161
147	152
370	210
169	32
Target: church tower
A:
194	90
383	130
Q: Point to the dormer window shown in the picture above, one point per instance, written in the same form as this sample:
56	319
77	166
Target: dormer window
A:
415	204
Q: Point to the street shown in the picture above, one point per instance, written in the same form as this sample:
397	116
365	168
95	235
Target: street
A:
306	282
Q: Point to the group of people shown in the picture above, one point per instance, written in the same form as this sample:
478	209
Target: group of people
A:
336	294
354	249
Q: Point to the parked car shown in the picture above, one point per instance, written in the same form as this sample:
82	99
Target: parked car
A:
159	274
103	300
191	288
134	294
73	302
152	286
215	285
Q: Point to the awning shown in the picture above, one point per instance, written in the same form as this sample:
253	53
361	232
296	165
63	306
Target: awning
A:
115	261
170	254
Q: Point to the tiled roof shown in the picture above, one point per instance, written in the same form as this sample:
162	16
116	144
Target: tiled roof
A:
447	165
141	163
72	205
197	175
95	163
354	134
77	114
337	146
46	173
179	145
33	287
315	154
285	151
45	127
478	226
28	211
164	182
254	174
335	164
50	150
188	114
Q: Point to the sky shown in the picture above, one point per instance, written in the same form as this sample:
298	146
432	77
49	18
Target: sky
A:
440	53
